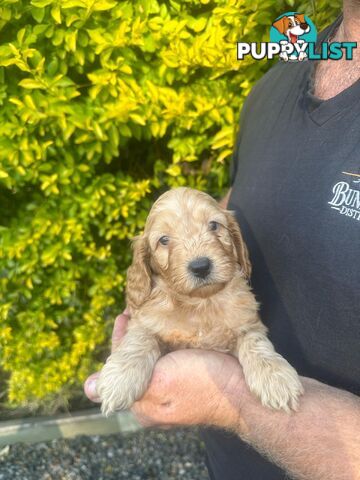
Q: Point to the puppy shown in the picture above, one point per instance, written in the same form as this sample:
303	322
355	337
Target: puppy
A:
188	287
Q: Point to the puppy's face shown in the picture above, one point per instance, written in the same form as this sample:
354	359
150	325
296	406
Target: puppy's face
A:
189	241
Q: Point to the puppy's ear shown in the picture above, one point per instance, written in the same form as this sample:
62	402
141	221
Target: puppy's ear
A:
281	25
239	244
300	17
138	281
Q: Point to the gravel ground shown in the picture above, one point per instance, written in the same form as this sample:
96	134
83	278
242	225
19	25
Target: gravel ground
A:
145	455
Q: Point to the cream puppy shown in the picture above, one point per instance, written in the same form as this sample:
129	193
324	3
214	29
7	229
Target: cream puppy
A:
188	288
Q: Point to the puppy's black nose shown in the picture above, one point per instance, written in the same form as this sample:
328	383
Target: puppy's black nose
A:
304	26
200	267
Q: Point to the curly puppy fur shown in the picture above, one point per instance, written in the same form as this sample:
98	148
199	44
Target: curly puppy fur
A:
188	288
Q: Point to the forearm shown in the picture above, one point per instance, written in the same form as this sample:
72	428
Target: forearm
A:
319	442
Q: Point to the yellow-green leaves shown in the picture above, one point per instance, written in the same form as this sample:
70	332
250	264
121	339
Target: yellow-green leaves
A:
104	103
31	83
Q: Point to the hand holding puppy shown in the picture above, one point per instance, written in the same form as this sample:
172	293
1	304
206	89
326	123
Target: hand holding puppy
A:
188	387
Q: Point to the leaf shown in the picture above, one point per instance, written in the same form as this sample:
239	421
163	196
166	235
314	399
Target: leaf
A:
31	83
41	3
29	102
174	170
198	24
16	101
224	154
3	174
96	36
175	5
100	5
20	35
126	69
75	3
137	119
125	130
56	14
70	40
38	13
53	66
61	81
58	37
170	60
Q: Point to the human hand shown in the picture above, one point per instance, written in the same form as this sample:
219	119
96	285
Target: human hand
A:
188	387
117	334
192	387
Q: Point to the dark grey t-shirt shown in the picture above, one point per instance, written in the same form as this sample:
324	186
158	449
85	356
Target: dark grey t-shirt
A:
296	194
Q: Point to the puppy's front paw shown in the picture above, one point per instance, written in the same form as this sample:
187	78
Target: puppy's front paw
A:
118	386
277	385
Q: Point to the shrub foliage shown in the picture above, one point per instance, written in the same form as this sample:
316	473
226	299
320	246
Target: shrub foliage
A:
104	104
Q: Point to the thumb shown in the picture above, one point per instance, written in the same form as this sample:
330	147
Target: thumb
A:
90	388
119	329
117	334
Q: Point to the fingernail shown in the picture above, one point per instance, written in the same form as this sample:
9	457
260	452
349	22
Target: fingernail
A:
91	387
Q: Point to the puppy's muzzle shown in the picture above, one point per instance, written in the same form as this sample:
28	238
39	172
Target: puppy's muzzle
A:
200	267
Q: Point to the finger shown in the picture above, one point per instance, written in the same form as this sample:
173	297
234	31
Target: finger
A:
147	421
144	420
119	329
140	410
149	414
90	388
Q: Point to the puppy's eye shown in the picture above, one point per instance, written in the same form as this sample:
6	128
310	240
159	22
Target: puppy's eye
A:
164	240
213	226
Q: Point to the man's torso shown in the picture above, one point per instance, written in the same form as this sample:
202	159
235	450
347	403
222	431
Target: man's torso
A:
296	194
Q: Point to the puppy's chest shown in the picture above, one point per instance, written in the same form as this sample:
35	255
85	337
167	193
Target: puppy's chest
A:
206	336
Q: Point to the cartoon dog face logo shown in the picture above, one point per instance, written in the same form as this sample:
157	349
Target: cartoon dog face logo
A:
292	26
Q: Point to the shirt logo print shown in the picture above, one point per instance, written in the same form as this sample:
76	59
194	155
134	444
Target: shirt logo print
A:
346	196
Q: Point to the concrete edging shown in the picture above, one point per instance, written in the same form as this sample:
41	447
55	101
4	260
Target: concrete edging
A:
87	422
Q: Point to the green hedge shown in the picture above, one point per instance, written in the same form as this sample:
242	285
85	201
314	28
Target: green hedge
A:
103	105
